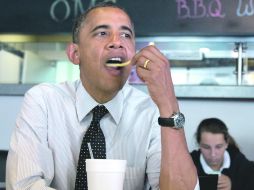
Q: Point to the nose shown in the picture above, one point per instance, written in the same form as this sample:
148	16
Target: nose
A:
213	152
115	42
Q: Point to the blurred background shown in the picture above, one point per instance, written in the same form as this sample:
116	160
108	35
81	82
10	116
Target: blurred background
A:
210	47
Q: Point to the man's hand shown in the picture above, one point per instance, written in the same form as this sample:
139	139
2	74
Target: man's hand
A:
224	183
154	69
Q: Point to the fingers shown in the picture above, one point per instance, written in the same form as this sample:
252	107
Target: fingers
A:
149	63
150	53
224	183
153	68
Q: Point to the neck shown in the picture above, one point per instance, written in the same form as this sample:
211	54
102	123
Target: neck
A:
102	97
99	95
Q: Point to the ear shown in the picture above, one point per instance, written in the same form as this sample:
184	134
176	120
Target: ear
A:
73	53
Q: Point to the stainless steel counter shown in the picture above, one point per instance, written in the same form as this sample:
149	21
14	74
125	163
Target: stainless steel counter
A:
14	89
182	91
211	92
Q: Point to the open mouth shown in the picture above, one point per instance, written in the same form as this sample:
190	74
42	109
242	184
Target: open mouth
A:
117	62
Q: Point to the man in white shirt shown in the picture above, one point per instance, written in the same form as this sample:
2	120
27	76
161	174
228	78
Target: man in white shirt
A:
45	145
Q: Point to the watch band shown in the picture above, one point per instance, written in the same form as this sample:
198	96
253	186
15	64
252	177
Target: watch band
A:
176	121
169	122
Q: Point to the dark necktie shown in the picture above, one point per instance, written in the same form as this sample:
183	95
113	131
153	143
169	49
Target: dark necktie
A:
95	137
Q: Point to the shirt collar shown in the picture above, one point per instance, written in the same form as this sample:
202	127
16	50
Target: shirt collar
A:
85	103
209	170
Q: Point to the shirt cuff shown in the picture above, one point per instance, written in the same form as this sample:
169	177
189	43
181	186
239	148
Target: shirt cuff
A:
197	185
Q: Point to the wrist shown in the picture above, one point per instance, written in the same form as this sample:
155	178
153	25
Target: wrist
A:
167	111
176	121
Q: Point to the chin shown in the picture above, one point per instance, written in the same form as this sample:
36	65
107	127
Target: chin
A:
113	87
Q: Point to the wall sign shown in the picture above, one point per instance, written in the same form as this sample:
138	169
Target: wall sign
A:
151	17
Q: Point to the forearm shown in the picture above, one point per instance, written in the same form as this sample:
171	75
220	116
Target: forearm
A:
28	185
22	175
30	162
177	169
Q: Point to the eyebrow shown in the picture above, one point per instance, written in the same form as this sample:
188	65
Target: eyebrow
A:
104	26
204	145
210	145
100	27
127	28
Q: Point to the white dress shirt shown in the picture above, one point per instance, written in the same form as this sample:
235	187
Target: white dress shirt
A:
45	144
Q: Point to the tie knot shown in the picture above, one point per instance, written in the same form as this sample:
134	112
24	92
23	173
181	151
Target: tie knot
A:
99	112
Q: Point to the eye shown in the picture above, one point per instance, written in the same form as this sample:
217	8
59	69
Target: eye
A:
205	146
220	146
102	33
125	35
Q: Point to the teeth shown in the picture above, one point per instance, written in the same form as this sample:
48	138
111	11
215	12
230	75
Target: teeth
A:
116	59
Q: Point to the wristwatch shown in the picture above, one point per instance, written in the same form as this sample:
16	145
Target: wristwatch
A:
176	121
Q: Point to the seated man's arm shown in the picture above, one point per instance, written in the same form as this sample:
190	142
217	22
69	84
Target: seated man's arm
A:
30	161
177	168
178	171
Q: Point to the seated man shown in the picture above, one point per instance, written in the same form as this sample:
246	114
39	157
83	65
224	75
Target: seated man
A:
218	154
49	145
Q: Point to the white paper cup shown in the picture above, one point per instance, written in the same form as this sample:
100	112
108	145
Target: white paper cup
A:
105	174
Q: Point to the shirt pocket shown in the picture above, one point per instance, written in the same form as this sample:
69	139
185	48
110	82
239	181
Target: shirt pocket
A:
134	178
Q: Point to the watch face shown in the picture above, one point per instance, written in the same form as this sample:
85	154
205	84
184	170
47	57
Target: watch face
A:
179	120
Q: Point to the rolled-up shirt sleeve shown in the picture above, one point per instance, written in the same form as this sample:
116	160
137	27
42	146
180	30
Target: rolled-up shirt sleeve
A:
30	161
197	187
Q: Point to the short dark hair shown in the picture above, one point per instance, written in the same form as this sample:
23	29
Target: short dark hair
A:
81	18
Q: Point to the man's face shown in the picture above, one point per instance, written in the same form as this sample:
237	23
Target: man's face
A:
106	34
212	147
